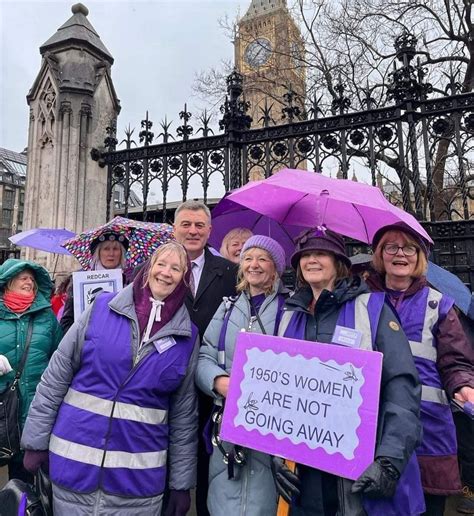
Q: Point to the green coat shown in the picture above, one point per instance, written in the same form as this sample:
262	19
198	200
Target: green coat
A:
13	328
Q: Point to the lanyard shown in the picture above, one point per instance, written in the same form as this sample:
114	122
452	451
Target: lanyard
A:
221	343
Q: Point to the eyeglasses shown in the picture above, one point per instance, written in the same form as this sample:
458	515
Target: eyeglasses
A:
407	250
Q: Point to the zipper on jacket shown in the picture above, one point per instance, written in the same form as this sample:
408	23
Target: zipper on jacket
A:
245	469
109	428
340	488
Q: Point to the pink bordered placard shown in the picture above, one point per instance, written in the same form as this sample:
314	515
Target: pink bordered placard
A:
315	404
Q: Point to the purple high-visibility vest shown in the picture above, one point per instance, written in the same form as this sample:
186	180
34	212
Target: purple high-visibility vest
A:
111	431
363	314
419	315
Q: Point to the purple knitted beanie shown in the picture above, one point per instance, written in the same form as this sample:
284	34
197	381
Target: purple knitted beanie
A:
273	248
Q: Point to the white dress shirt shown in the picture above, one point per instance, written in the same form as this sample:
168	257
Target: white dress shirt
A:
197	268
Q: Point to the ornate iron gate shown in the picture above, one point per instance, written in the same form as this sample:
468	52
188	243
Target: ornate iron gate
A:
425	143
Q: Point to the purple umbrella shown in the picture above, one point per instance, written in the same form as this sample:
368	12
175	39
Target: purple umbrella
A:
228	215
44	239
306	199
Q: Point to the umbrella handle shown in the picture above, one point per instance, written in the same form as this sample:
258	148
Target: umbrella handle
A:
283	508
55	264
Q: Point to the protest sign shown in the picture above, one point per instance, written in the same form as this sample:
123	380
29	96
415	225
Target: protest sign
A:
87	284
316	404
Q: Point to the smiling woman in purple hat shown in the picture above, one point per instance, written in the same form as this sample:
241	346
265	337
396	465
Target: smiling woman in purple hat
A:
442	354
327	299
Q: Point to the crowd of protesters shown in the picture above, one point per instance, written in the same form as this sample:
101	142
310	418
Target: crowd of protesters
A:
124	410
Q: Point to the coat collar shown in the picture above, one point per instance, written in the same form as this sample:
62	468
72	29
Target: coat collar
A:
180	323
211	270
40	303
377	282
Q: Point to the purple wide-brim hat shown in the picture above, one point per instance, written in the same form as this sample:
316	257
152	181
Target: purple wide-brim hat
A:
320	239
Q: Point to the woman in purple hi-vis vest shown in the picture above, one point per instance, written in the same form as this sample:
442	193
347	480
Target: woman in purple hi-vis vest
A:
327	300
439	346
115	413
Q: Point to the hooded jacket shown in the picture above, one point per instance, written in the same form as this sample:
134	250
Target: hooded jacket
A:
45	337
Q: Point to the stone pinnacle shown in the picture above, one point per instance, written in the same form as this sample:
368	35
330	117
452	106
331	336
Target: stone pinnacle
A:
80	8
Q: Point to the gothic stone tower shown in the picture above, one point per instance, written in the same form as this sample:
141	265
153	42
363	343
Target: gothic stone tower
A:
268	52
71	102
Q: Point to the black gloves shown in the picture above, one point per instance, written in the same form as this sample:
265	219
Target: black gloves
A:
179	503
379	480
287	483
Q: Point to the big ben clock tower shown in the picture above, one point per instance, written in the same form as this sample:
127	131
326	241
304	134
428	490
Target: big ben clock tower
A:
268	50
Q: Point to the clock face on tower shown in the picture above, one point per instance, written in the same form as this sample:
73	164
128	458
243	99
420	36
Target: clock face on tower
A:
258	52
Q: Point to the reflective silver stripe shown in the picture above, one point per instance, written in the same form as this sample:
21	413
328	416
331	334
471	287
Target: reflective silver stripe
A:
74	451
113	459
284	322
122	410
434	395
425	349
221	357
421	350
431	317
362	321
144	460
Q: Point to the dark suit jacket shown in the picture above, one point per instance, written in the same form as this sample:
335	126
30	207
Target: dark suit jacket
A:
218	279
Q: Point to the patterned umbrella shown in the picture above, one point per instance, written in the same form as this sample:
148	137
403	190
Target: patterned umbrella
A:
143	239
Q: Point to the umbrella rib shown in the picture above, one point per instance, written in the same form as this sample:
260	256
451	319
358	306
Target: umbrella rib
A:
365	226
291	207
260	217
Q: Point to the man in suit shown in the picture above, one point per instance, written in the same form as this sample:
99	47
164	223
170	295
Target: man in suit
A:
213	277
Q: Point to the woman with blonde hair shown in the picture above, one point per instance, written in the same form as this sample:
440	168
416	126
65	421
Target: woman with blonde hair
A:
240	480
116	407
442	354
233	242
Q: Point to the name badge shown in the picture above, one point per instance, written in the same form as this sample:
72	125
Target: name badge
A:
163	344
347	337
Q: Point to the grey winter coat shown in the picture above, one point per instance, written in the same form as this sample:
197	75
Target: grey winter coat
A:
252	490
66	361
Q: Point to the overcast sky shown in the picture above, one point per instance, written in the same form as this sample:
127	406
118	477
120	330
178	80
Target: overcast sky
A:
158	47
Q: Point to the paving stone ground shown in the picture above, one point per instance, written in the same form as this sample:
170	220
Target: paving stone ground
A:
450	509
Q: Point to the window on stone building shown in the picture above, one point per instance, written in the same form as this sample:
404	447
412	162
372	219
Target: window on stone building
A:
8	198
22	198
7	218
4	234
